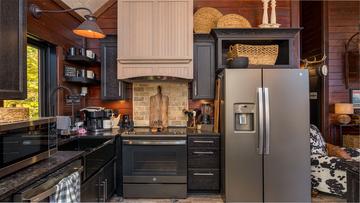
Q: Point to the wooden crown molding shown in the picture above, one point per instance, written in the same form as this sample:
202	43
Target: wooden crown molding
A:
104	7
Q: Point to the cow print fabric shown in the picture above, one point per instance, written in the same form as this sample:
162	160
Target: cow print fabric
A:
328	173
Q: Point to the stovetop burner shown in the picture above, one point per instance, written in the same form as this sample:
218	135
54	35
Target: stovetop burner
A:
172	131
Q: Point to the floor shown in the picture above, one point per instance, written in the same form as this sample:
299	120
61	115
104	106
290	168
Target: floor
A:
214	199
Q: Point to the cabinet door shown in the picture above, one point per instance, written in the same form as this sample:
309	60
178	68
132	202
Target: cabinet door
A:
109	172
90	189
136	22
174	32
204	69
13	49
111	87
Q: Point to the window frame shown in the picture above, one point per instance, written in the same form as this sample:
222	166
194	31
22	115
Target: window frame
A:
47	73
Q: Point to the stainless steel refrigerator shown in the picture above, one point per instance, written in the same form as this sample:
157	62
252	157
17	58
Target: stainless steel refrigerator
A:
264	122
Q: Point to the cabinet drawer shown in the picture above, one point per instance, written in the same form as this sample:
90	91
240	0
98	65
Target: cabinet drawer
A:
202	141
203	158
203	179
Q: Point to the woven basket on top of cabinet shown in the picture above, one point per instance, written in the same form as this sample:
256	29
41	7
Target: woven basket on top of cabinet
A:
205	19
257	54
233	21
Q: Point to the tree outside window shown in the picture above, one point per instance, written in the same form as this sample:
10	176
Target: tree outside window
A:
32	101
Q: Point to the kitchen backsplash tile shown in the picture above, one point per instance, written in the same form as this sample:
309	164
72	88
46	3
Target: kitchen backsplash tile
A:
178	100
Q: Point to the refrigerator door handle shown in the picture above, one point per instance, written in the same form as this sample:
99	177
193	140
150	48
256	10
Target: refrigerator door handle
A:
267	120
261	120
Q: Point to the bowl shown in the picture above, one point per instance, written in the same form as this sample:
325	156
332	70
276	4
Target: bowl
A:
238	62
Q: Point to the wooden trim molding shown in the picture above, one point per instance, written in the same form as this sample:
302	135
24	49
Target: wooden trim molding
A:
325	128
295	22
104	8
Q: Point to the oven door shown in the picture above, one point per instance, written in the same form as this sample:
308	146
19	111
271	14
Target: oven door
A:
154	161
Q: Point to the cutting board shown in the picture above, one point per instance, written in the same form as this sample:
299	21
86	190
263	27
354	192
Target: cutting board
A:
159	104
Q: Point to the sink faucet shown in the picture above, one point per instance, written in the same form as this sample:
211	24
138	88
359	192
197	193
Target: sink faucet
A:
72	101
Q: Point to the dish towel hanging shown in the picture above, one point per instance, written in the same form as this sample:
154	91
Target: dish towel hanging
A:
67	190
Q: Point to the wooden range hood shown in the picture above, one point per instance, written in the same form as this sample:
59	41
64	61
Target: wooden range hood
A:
155	39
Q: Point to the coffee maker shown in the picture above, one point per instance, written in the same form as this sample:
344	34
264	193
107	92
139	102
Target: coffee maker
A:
94	118
126	123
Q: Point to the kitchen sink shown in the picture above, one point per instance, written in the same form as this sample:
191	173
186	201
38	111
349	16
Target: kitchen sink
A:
83	144
98	152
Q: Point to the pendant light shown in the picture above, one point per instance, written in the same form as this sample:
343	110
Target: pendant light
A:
88	28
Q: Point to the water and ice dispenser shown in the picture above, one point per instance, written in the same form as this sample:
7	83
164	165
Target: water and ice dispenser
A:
244	117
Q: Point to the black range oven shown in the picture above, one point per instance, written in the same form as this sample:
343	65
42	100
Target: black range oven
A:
154	167
25	143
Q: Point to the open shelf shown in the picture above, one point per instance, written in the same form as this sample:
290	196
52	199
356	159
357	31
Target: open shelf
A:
82	60
82	80
283	37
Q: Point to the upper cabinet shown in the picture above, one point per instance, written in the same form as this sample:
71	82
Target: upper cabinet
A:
203	85
111	87
155	38
13	49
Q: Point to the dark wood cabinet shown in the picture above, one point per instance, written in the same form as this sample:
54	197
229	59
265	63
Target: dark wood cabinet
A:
111	87
101	186
203	163
203	179
108	179
13	49
203	85
90	189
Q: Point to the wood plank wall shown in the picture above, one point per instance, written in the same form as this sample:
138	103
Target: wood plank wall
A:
343	22
311	35
250	9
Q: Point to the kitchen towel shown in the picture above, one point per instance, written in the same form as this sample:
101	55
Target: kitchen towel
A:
67	190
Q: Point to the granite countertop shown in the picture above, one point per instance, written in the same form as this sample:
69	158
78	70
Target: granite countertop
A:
24	177
118	132
26	123
195	132
108	133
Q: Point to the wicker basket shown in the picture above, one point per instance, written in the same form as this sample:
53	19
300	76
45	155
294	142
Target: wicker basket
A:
205	19
233	21
257	54
15	114
352	141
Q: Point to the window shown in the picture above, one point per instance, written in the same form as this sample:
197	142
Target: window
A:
41	78
32	101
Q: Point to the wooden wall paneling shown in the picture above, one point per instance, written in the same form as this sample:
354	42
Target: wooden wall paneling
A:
52	27
311	36
342	20
250	9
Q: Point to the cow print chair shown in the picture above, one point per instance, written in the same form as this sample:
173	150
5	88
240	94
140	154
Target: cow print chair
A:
328	173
